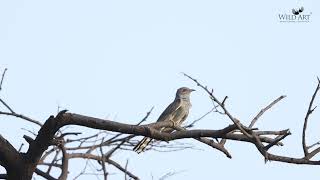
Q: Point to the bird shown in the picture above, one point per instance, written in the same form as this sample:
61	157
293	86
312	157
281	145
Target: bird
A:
177	112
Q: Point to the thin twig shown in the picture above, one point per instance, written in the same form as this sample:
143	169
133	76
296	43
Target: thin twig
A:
254	120
195	121
126	167
20	148
115	164
105	174
169	174
7	106
21	117
234	120
224	100
209	142
313	145
2	78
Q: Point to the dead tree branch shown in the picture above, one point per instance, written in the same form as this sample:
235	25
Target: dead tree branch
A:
2	78
256	138
309	112
114	136
254	120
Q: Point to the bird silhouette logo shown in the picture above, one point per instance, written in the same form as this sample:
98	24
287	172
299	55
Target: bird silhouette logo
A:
297	11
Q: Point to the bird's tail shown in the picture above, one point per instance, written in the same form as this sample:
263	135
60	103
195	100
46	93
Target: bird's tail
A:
142	145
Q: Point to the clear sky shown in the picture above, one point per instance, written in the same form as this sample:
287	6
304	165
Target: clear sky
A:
117	59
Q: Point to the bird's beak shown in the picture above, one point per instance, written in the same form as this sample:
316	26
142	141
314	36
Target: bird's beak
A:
192	90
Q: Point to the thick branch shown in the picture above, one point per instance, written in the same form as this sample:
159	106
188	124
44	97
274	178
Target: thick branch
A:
53	124
9	156
148	130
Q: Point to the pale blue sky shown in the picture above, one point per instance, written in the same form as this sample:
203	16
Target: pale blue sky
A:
120	58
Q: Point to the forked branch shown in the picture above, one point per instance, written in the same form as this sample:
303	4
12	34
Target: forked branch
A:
114	136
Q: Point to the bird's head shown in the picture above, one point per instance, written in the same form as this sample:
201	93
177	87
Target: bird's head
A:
184	92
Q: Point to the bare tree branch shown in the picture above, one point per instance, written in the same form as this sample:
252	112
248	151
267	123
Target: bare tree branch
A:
95	157
115	136
310	110
9	156
195	121
65	163
277	140
255	139
105	173
2	78
254	120
20	116
44	174
125	174
222	105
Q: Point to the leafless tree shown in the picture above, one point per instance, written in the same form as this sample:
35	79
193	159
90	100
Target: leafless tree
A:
54	145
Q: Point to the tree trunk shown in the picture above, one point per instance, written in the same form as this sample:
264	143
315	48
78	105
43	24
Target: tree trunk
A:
23	171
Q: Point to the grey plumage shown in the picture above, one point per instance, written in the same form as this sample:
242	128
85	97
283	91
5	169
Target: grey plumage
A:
177	112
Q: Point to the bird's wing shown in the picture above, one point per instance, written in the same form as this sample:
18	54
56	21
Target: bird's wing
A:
167	114
178	117
180	114
184	116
